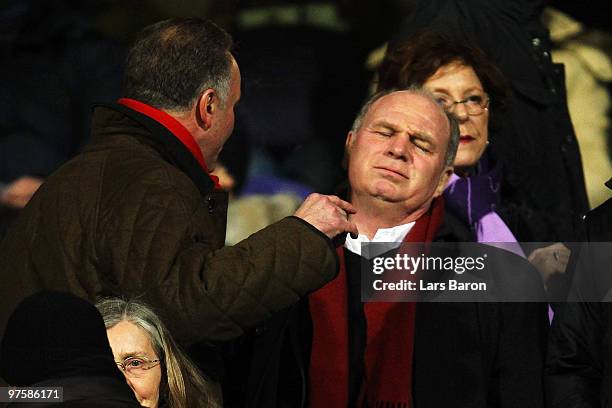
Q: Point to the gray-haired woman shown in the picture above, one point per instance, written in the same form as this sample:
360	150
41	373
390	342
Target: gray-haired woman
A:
159	373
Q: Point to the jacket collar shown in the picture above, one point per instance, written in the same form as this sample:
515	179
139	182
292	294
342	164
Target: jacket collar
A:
176	152
174	126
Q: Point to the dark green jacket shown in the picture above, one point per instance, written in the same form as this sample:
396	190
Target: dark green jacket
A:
135	215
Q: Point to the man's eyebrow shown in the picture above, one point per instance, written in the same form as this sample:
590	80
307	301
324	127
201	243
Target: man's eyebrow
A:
422	135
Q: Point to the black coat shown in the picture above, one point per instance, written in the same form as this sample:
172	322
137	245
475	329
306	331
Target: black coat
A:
465	354
579	362
543	193
86	392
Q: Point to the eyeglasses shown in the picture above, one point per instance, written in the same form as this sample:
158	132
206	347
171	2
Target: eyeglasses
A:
137	366
474	104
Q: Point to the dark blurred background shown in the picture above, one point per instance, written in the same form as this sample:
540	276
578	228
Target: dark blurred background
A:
303	65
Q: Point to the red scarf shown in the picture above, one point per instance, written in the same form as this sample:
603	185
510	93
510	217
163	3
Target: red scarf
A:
390	338
174	127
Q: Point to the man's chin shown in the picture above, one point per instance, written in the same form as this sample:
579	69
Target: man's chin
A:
386	191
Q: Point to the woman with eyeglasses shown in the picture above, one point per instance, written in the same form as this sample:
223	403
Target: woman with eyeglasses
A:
156	369
467	84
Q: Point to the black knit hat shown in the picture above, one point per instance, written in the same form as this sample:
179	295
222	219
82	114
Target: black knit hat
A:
55	335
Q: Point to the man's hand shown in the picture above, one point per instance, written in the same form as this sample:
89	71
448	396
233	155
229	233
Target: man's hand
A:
226	179
328	214
18	193
550	260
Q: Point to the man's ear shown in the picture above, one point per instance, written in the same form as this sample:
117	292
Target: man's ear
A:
349	140
206	107
443	182
347	145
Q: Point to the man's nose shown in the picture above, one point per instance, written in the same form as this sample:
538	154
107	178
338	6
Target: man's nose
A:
399	147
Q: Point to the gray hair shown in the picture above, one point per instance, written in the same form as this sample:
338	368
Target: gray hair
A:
184	385
453	141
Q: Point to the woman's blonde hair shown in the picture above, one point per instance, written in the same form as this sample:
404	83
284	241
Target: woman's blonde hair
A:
183	384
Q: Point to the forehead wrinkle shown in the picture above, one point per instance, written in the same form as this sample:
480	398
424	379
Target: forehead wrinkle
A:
384	123
419	130
409	127
435	119
402	107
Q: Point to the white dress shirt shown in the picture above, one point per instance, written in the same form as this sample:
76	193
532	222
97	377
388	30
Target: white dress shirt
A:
393	235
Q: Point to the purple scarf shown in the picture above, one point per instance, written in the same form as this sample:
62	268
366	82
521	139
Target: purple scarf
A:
474	199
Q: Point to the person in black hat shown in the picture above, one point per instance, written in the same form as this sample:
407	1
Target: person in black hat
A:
56	339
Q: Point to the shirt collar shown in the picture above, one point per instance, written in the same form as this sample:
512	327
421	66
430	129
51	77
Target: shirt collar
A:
394	235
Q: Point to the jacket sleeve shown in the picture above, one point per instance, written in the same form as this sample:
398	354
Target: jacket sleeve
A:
573	366
164	249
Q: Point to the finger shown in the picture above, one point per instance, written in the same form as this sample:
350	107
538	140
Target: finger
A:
351	228
564	254
345	205
562	247
561	255
533	256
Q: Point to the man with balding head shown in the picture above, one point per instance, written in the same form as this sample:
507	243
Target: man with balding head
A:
400	153
336	350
